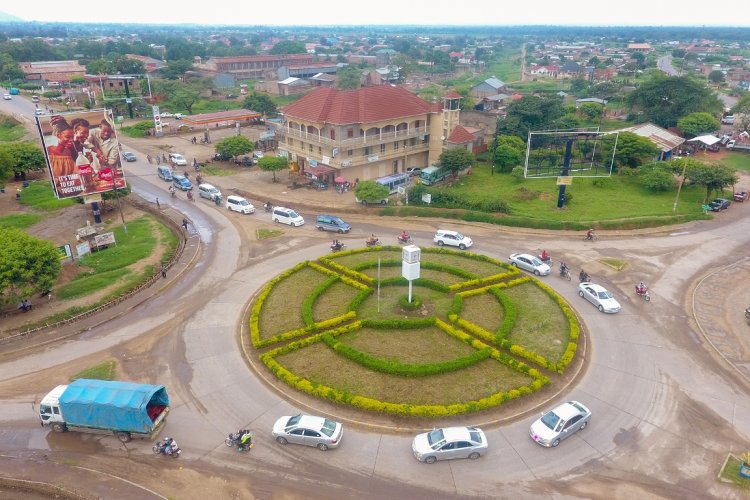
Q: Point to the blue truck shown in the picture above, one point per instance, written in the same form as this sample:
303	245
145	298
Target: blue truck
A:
125	409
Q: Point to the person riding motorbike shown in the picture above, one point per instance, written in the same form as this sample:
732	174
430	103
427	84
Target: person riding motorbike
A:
336	245
190	194
246	440
172	191
641	288
404	236
267	206
563	269
544	256
583	276
590	234
372	239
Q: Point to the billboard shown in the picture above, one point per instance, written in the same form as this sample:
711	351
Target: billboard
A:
82	152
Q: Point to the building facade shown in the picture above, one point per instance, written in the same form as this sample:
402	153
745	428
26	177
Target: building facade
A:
366	133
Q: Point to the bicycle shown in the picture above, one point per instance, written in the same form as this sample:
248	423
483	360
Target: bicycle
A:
590	237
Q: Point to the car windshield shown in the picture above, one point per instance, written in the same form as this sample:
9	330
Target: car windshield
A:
243	202
536	261
604	294
292	213
435	437
475	436
460	236
550	420
293	420
328	428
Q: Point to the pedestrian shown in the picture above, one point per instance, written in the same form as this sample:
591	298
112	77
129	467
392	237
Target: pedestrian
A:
185	224
158	160
163	271
158	207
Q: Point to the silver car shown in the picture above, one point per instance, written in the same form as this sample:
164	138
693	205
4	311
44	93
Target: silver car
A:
529	263
308	430
599	296
448	443
560	423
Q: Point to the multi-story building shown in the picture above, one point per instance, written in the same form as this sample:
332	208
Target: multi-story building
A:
366	133
255	66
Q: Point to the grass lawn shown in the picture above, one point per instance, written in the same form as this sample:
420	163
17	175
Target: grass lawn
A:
483	379
40	196
434	303
263	234
430	274
10	130
618	197
333	302
421	346
479	268
217	170
353	260
282	309
541	326
730	472
102	371
19	221
737	161
483	310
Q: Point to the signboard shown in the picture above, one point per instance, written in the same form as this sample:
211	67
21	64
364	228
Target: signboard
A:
426	198
346	163
564	180
157	121
326	160
93	198
335	152
372	158
83	249
65	252
401	190
104	239
313	163
82	152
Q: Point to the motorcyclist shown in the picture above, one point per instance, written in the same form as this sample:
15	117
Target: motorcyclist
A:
246	440
267	206
166	445
583	276
563	269
640	288
172	191
404	236
190	194
544	256
373	239
336	244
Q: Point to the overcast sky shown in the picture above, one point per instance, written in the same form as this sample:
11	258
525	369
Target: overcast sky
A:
424	12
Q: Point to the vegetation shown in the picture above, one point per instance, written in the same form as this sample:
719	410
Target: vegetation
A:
28	265
273	164
370	191
102	371
234	146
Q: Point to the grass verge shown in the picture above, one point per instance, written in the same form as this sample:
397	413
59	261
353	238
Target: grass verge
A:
102	371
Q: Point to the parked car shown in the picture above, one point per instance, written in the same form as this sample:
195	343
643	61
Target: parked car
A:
7	97
257	155
239	204
177	159
128	156
39	112
599	296
164	173
452	238
308	430
35	98
283	215
560	423
719	204
741	196
449	443
208	191
166	114
182	182
414	171
222	157
530	263
332	223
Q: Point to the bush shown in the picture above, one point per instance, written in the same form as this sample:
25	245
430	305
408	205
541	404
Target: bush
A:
138	130
403	302
656	180
518	173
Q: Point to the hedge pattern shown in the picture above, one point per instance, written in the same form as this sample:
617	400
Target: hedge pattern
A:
477	337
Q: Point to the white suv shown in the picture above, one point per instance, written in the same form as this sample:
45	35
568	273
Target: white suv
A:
208	191
452	238
178	159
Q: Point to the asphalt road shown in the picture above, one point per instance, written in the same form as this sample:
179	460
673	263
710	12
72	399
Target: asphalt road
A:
666	408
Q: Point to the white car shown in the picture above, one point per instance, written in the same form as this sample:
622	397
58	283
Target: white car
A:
308	430
449	443
530	263
452	238
599	296
257	155
560	423
239	204
178	159
7	97
208	191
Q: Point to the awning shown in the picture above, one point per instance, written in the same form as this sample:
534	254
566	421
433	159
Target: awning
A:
320	170
708	140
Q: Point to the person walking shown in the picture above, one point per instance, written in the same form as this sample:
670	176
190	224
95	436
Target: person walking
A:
185	224
158	207
163	271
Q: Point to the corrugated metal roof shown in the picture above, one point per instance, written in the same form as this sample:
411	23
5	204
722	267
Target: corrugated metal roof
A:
663	138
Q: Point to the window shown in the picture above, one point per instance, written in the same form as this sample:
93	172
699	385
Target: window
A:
382	148
395	146
366	151
297	432
310	433
463	444
310	147
349	152
448	446
320	150
350	133
333	135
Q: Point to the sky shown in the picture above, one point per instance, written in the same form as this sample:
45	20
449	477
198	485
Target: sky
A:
390	12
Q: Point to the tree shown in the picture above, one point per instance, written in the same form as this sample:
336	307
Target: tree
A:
234	146
716	76
456	159
657	177
712	177
28	265
348	78
530	113
591	110
260	103
273	164
633	150
665	99
370	191
698	123
6	167
175	69
507	157
288	47
24	156
512	141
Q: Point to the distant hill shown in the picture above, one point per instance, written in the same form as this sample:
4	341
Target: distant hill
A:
7	18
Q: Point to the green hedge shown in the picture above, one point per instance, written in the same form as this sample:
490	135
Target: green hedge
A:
307	304
402	369
315	327
255	313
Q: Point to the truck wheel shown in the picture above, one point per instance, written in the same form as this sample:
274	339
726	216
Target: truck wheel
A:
59	427
124	437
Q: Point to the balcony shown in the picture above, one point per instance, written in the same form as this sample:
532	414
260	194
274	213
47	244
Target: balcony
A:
343	161
354	142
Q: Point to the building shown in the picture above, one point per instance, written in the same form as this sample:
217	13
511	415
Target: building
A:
255	66
668	143
640	47
491	86
43	72
150	64
366	133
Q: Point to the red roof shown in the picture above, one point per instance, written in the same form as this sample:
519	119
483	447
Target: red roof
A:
366	105
460	135
453	95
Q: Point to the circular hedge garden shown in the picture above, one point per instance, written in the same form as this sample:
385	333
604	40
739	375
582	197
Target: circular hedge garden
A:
482	334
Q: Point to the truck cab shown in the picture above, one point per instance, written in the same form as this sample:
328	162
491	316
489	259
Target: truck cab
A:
49	409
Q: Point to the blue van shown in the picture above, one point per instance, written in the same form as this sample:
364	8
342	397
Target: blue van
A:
332	223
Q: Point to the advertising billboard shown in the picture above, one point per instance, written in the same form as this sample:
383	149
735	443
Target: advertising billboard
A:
82	152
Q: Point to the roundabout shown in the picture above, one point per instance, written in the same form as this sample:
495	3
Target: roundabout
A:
483	334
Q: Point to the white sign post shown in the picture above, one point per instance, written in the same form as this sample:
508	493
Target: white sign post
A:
410	256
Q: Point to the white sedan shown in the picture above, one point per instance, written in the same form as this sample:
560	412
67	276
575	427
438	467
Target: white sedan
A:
599	296
452	238
529	263
560	423
7	97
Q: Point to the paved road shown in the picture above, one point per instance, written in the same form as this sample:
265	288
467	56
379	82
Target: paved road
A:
664	63
666	407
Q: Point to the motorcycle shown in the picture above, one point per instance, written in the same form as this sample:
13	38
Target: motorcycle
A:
747	312
337	247
584	277
165	447
217	200
190	195
404	241
565	272
590	237
547	261
372	242
643	292
234	439
268	207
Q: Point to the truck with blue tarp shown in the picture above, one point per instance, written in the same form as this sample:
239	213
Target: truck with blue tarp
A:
126	409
